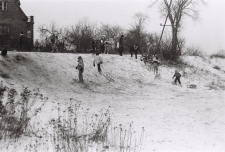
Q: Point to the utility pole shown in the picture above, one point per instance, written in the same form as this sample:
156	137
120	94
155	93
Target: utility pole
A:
138	35
164	25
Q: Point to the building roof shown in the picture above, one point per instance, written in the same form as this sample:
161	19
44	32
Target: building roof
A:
17	2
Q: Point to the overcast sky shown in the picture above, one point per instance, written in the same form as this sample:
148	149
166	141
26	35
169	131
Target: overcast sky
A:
208	32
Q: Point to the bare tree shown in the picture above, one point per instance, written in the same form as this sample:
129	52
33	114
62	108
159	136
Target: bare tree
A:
175	11
111	32
137	34
53	28
138	26
81	34
48	30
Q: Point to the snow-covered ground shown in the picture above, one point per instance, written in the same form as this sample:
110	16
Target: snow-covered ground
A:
175	118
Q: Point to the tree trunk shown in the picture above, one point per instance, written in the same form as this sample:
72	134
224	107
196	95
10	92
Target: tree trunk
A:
173	49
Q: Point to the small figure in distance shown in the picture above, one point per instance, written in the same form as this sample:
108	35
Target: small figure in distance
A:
37	45
177	76
93	44
121	45
21	41
4	51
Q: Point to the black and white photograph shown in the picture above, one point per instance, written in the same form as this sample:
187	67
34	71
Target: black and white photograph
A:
112	76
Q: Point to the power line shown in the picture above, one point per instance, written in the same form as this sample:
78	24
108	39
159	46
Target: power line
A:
104	7
88	5
138	3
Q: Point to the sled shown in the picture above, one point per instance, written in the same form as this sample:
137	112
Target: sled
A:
192	86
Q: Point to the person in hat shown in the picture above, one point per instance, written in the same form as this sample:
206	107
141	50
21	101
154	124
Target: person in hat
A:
80	67
177	76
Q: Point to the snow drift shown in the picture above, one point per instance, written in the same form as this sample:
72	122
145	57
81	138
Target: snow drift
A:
175	118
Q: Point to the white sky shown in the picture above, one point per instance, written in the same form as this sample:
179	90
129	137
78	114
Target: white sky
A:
208	33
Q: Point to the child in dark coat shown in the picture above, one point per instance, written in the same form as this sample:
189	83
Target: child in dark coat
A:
134	49
177	76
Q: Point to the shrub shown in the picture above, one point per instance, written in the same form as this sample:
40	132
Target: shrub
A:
219	54
193	50
70	129
215	85
16	112
165	48
73	131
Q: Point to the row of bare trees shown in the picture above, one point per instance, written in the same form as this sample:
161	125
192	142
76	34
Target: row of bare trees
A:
82	33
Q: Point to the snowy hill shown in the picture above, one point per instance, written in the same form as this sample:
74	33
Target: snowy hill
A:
175	118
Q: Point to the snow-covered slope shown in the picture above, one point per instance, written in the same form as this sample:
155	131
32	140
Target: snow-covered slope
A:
175	118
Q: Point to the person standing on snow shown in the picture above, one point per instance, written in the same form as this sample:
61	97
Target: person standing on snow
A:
93	44
134	49
80	67
37	45
52	38
102	46
107	45
55	45
21	41
177	76
4	51
121	45
98	61
155	64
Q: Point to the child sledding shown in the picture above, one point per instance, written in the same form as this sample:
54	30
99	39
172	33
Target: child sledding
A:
177	76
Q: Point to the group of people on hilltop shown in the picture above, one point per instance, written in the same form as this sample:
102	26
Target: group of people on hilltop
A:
101	46
53	40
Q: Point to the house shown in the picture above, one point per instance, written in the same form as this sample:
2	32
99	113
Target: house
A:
13	21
